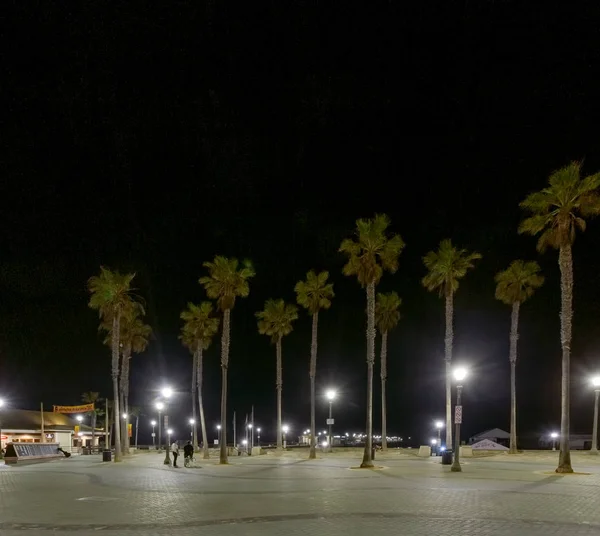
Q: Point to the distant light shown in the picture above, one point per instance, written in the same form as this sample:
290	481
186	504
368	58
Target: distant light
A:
285	428
218	426
192	421
258	430
554	435
439	424
434	441
167	392
330	395
153	423
1	402
250	426
460	373
160	406
442	449
347	434
79	418
244	441
596	381
124	415
169	431
80	434
324	444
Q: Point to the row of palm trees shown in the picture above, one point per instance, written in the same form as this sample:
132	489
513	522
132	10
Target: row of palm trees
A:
556	213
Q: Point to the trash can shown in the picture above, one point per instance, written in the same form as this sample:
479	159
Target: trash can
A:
447	457
106	455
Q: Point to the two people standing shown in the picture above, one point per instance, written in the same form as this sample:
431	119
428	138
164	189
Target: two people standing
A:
188	452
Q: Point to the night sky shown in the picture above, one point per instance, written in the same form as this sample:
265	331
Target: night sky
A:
149	137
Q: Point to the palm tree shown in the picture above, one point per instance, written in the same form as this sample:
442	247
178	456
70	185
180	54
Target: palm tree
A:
92	397
197	333
446	266
226	281
135	411
370	253
514	285
314	294
387	316
133	338
557	212
276	321
110	294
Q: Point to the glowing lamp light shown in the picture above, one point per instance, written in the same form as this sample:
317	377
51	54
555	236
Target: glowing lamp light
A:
160	406
596	382
439	424
169	431
153	423
434	441
167	392
554	435
330	394
192	421
460	373
285	429
79	418
324	444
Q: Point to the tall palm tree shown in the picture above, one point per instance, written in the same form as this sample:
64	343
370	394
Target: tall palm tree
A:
276	321
92	397
198	330
557	212
133	338
369	253
110	293
135	411
513	286
387	316
446	266
314	294
225	282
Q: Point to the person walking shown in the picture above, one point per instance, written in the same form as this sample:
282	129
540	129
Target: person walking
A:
175	451
188	454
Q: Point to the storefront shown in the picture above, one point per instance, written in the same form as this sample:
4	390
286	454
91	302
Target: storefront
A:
24	426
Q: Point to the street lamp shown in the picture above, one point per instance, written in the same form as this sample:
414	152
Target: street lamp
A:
285	430
459	374
251	428
167	392
554	436
153	424
219	434
79	418
434	443
439	425
330	395
245	443
596	386
192	422
258	434
159	407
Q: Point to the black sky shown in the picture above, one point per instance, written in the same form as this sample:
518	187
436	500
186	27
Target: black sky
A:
152	137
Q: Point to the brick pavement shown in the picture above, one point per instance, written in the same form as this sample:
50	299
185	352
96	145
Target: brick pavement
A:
270	495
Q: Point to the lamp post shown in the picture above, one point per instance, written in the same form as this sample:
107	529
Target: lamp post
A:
596	386
159	407
434	443
554	436
258	436
330	396
439	425
219	434
1	452
460	374
245	443
167	392
285	429
192	422
251	428
153	424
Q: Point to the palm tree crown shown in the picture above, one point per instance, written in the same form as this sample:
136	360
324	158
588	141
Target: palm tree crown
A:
276	319
315	293
110	292
387	314
559	209
518	282
226	282
372	251
199	325
446	266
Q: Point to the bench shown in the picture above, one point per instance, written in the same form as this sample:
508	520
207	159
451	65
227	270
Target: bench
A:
18	452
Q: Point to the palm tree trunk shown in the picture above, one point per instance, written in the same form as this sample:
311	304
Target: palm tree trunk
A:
367	456
313	373
125	398
565	261
206	454
383	402
514	337
115	379
279	385
224	366
94	425
448	358
194	387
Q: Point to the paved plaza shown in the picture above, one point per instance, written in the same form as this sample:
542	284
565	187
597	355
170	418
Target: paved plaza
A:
501	495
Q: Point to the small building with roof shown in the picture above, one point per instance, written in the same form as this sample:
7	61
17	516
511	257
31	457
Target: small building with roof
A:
495	434
25	426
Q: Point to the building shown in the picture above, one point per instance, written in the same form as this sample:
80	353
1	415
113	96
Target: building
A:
495	434
24	426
